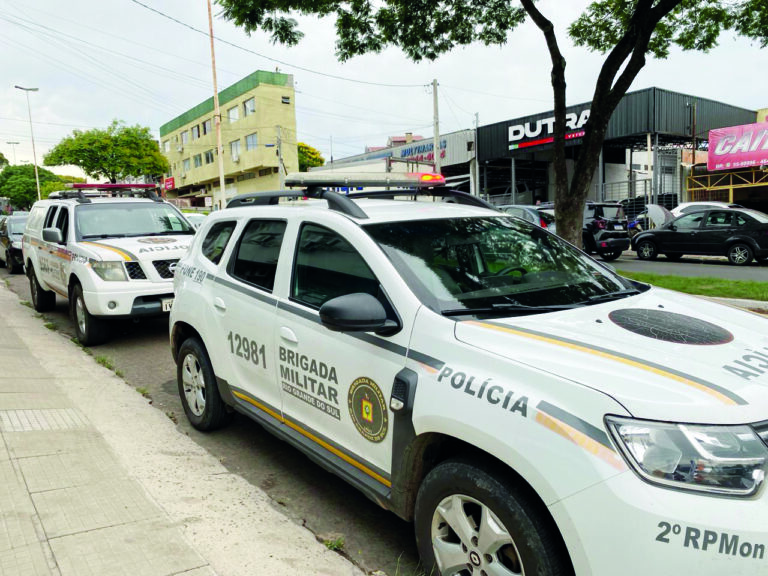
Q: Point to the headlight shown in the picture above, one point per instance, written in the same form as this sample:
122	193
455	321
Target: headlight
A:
110	271
729	460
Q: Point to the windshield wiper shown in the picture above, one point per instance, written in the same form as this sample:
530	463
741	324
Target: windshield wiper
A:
507	308
104	236
612	296
165	233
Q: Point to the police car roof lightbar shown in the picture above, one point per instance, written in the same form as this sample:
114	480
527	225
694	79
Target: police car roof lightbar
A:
107	186
330	179
84	192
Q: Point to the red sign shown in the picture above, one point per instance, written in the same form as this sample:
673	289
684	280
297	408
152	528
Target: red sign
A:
738	147
168	184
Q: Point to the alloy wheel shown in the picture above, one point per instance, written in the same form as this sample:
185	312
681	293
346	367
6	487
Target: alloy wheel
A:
193	381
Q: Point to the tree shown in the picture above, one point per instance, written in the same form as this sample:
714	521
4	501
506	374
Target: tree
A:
625	30
115	153
17	183
309	157
3	161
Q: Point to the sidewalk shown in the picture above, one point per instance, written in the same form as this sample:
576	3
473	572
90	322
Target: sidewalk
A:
96	482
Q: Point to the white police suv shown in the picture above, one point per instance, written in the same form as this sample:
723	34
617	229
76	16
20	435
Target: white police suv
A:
111	250
529	409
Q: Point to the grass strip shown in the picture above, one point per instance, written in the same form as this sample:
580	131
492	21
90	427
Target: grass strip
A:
704	286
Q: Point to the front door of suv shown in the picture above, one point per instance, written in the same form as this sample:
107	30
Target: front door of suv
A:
337	386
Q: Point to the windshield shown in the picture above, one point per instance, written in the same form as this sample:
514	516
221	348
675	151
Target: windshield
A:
613	212
112	219
16	225
492	263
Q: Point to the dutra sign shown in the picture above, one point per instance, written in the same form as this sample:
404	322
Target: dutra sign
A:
536	132
738	147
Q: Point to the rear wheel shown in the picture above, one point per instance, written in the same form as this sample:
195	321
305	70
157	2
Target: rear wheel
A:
646	250
89	329
470	522
42	300
739	254
198	390
14	267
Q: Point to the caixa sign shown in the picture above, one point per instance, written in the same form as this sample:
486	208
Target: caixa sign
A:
537	132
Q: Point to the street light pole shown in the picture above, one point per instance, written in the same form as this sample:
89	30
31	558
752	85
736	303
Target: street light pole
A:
13	147
32	133
218	200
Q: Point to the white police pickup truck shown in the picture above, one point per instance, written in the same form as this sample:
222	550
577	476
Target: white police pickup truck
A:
111	250
530	410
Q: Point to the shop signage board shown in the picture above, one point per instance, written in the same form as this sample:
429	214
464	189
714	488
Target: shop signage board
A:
738	147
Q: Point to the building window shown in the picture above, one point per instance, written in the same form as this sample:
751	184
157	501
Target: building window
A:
195	132
197	160
286	100
207	127
233	114
234	148
167	146
185	137
265	172
251	141
186	165
249	106
209	156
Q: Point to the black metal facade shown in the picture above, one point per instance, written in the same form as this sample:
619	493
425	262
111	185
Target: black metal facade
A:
653	110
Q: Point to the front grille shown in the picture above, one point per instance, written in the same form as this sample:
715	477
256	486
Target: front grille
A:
134	271
165	268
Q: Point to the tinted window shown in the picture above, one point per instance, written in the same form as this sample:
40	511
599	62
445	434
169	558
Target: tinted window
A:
718	220
328	266
49	217
690	221
257	253
62	223
216	240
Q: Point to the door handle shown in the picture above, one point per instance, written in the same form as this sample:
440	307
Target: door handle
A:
288	335
218	303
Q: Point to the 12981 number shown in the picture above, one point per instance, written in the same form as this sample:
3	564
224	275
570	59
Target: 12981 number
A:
247	349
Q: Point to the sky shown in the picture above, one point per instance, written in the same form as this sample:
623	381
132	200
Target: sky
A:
147	61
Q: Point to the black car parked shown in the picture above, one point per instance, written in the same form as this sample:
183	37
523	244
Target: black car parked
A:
604	229
11	231
739	234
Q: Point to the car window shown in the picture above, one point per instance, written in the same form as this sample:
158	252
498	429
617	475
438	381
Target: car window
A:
255	259
49	217
694	207
328	266
612	212
489	262
740	220
689	221
215	242
62	223
16	225
718	220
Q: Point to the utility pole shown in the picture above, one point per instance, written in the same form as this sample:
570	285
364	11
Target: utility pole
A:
32	134
218	199
436	128
280	165
13	147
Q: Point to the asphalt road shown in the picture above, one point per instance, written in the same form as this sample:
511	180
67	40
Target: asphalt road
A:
374	539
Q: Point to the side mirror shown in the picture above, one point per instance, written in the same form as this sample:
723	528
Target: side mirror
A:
358	312
52	235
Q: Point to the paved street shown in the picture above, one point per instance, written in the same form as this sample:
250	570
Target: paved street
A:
692	266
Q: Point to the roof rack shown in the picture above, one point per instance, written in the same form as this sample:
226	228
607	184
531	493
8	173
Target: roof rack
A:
456	196
336	201
84	192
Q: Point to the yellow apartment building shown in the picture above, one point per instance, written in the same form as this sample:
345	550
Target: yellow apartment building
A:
258	130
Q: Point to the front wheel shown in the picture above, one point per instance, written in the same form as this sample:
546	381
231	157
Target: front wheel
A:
42	300
468	521
89	329
198	390
740	254
646	250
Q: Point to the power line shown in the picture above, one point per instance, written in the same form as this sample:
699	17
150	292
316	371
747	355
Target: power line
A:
303	69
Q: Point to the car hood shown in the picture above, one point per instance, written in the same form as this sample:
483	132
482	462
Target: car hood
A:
141	248
661	354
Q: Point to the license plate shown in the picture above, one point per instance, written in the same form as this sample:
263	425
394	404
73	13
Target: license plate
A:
618	227
167	304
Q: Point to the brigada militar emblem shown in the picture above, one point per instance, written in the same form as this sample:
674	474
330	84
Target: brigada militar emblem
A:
368	410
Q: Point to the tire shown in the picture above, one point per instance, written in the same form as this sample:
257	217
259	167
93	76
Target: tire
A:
90	330
739	254
13	266
608	256
457	493
198	390
646	250
673	257
42	300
